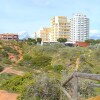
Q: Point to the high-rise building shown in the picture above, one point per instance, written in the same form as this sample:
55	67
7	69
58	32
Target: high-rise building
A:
79	29
60	28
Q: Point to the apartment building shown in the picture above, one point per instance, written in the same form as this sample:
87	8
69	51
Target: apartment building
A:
9	36
44	33
79	29
60	28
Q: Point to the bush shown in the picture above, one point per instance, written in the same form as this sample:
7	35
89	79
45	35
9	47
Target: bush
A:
3	55
43	88
5	76
16	83
6	61
10	50
1	68
41	61
36	61
56	68
86	90
26	61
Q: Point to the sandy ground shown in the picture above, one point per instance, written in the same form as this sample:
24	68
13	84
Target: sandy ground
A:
13	71
4	95
95	98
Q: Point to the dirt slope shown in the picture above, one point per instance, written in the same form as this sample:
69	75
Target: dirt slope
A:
4	95
95	98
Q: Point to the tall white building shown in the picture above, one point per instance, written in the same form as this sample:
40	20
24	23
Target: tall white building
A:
79	30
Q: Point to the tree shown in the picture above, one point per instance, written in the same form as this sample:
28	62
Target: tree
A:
39	40
61	40
98	41
31	41
90	41
1	68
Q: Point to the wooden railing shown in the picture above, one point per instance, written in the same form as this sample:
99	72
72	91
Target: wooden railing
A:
75	76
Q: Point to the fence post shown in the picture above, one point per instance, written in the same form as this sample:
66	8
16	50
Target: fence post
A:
75	85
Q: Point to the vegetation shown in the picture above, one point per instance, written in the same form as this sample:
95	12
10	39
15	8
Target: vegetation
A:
4	77
46	67
1	68
39	40
35	61
31	41
93	41
43	88
16	83
62	40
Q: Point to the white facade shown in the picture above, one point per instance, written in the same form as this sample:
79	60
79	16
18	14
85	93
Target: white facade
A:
79	30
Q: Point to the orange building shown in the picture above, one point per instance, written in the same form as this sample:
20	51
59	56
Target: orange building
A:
82	44
9	36
44	33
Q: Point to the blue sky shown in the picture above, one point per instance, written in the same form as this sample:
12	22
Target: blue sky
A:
18	16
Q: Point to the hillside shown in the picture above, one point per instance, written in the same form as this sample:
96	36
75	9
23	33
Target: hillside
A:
35	72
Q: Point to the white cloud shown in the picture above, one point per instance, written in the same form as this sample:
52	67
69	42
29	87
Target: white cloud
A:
94	31
25	35
95	34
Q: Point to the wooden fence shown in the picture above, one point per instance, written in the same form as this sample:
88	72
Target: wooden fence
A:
75	76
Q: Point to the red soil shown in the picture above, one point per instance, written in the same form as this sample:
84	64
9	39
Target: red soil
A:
4	95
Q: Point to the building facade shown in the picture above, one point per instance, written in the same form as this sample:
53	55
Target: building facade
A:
9	36
60	28
79	28
44	33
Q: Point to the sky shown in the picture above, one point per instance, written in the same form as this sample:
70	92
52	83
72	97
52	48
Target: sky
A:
28	16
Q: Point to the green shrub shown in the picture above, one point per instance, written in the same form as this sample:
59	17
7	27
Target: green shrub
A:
5	76
36	61
1	42
16	83
56	68
26	61
4	54
10	50
41	61
85	90
43	88
6	61
1	68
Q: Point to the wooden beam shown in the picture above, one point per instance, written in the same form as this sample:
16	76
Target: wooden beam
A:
88	76
66	93
94	85
75	85
68	79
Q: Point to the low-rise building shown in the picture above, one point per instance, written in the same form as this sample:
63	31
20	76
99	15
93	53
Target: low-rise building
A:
9	36
82	44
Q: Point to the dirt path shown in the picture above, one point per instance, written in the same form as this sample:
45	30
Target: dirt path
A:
13	71
4	95
95	98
